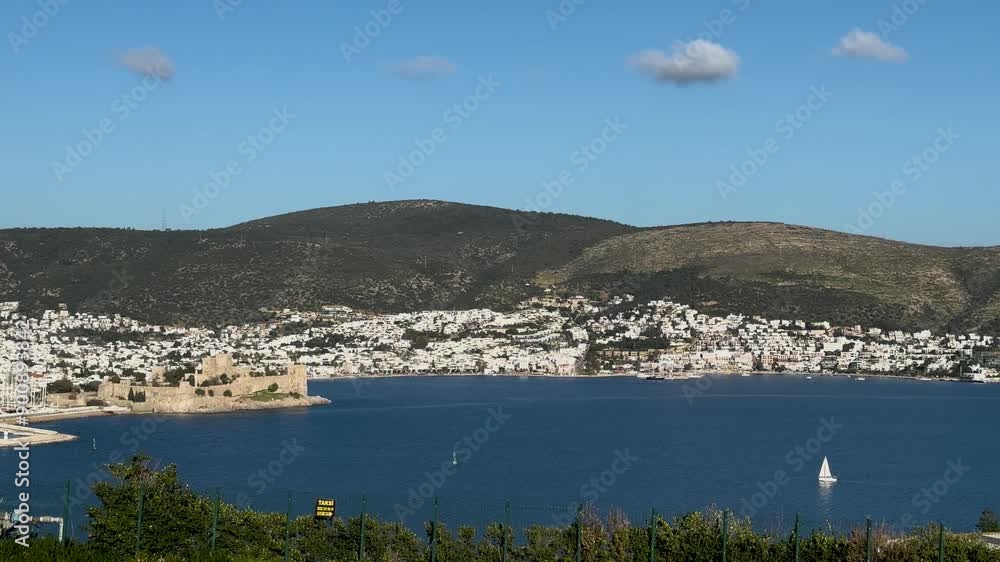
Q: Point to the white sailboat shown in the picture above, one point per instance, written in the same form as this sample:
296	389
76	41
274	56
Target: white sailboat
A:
825	476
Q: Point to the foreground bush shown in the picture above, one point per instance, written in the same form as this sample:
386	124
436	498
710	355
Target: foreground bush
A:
177	523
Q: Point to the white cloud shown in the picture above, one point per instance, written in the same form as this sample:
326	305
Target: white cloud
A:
696	61
422	68
864	44
148	61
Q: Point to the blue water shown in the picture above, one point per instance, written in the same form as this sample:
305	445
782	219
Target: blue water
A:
692	447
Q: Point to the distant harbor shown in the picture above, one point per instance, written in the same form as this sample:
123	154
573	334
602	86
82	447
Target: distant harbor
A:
94	361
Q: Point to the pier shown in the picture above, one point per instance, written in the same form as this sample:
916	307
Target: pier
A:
13	435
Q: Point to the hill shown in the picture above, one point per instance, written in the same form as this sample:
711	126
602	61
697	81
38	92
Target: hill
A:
783	271
378	256
419	254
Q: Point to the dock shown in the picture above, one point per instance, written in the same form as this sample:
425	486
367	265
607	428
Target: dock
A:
11	433
14	435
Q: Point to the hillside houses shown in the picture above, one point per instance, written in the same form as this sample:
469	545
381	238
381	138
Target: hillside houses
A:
546	336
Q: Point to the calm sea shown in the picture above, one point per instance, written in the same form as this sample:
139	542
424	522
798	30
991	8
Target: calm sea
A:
905	452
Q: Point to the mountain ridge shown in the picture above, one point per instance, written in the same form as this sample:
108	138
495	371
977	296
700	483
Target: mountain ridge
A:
423	254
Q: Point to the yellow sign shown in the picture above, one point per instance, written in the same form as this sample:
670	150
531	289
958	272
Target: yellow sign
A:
326	508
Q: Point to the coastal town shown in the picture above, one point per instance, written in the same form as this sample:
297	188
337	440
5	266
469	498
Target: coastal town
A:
72	352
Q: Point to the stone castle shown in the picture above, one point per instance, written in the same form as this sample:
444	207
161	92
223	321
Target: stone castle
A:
241	383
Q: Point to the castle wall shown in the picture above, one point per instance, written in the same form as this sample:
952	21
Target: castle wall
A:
180	399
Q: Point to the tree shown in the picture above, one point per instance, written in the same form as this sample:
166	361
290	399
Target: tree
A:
199	391
91	386
131	395
115	379
988	522
60	386
168	506
174	376
227	393
273	387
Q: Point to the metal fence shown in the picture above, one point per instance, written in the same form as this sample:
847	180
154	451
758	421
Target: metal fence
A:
509	520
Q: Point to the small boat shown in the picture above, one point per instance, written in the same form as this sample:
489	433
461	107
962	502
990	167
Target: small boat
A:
454	458
859	378
745	374
825	476
93	444
809	378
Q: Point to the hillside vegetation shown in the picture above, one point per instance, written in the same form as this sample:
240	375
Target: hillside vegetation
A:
409	255
784	271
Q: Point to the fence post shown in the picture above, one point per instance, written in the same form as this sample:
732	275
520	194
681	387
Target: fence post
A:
868	539
65	537
579	533
796	537
215	516
138	523
434	528
652	536
506	530
941	542
725	534
288	525
361	543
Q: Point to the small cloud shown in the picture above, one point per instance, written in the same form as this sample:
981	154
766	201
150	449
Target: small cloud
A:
864	44
148	61
422	68
695	61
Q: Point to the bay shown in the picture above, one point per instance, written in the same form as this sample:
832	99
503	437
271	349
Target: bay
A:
906	452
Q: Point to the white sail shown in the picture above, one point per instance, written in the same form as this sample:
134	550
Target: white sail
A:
824	472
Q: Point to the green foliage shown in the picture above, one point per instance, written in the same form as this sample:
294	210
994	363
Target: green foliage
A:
173	377
199	392
177	526
61	386
273	387
227	393
420	340
91	386
988	522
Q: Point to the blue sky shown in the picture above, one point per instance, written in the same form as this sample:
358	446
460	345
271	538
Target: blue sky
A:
557	82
